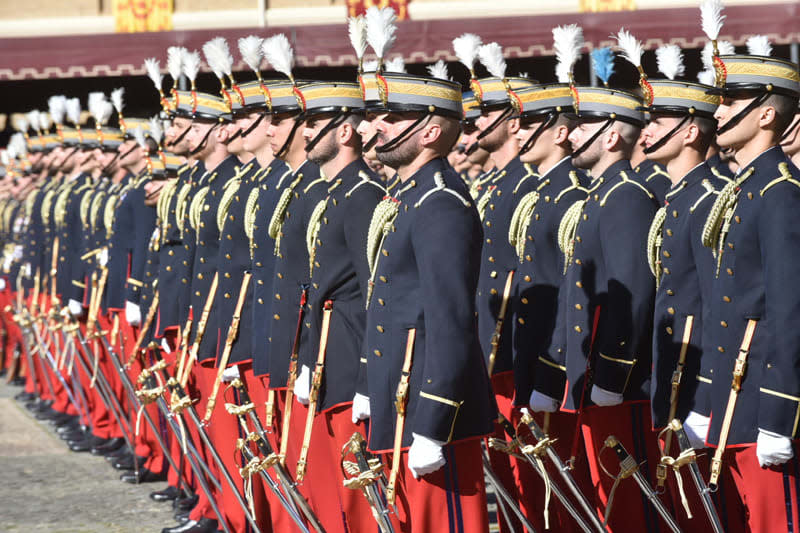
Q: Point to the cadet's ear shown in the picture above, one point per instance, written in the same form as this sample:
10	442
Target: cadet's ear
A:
691	135
513	125
431	134
767	116
560	134
345	133
611	139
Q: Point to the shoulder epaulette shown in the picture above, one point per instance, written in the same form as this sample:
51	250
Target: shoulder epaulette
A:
313	183
657	171
575	184
625	180
710	191
783	168
364	180
441	187
530	174
720	175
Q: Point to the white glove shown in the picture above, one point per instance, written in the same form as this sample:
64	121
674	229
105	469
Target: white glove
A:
165	345
27	268
102	257
543	403
360	408
425	456
17	252
773	449
133	313
2	284
302	385
75	308
696	428
230	373
605	398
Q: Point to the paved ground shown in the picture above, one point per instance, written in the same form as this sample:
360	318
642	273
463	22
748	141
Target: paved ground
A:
47	488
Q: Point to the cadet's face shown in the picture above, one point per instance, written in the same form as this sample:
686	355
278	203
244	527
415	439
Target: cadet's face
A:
389	126
742	132
279	131
175	130
540	147
366	128
235	146
152	190
656	129
497	137
199	135
256	139
130	153
326	148
579	136
791	144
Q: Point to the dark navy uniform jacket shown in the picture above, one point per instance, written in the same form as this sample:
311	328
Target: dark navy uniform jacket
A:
170	254
655	178
291	267
758	278
263	199
496	204
722	172
206	201
686	273
120	247
70	282
425	278
143	222
150	286
340	275
184	256
233	260
609	283
540	271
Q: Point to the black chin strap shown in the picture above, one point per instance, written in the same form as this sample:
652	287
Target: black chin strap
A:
204	141
106	168
506	112
285	147
593	138
663	140
757	101
153	193
548	122
234	137
73	152
180	137
790	129
404	136
370	143
334	123
253	126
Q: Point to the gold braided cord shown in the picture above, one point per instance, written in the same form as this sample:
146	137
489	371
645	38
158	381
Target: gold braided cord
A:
47	202
83	209
97	206
29	201
567	229
196	207
520	221
382	218
162	206
250	210
483	201
786	176
230	190
108	214
312	230
719	217
180	205
655	239
276	222
60	209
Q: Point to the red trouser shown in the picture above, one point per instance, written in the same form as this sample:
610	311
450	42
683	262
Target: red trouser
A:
503	387
339	509
631	424
450	500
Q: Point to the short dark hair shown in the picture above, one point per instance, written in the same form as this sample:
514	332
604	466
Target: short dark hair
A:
785	109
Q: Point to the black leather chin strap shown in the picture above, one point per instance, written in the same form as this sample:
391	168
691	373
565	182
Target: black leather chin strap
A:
663	140
334	123
593	138
234	137
548	122
204	141
506	112
253	126
369	144
757	101
403	137
285	147
106	168
180	137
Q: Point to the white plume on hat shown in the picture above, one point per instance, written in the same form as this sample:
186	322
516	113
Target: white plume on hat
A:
175	55
250	50
466	49
44	121
670	61
371	65
491	55
117	99
21	122
138	135
381	30
156	131
357	32
153	68
439	70
33	119
279	54
707	77
567	41
58	107
711	18
707	55
630	47
396	64
191	65
218	57
758	45
73	108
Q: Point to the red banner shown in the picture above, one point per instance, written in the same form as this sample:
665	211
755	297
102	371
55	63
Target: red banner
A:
359	7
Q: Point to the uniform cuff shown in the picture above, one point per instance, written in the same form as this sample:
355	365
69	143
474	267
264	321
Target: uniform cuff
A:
612	373
436	416
778	412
